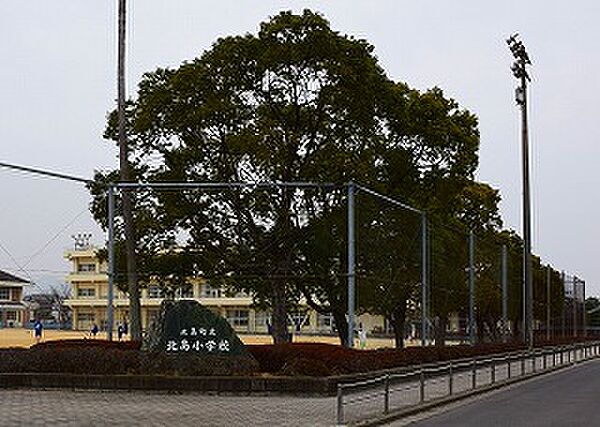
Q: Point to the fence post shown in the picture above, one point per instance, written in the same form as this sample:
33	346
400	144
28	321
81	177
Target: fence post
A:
386	398
545	363
533	361
340	405
474	374
508	367
450	380
522	364
422	386
493	370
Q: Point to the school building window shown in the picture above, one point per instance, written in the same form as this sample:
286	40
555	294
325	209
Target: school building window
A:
155	292
324	320
86	292
5	293
186	291
237	317
210	292
86	267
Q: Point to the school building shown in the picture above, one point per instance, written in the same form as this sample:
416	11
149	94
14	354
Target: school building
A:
89	290
13	312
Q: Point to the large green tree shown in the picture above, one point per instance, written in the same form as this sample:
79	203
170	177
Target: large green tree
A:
295	102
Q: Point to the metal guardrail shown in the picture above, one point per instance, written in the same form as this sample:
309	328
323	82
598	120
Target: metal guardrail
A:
379	386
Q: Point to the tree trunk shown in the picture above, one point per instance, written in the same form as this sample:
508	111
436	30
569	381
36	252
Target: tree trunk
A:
398	320
280	329
441	323
341	324
132	285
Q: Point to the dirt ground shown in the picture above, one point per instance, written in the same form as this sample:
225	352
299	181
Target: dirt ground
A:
17	337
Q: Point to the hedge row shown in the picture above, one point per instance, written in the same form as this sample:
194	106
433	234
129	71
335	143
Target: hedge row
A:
99	357
315	359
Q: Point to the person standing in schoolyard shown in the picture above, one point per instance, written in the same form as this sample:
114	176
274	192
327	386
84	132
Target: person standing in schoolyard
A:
94	330
38	327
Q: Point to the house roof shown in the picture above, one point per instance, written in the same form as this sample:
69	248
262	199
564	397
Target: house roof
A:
7	277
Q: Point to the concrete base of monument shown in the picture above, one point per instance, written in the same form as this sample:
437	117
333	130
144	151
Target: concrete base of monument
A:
308	386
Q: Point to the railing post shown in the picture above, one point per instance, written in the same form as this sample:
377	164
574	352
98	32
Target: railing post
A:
534	361
508	367
545	363
450	379
422	386
340	405
474	374
386	397
522	364
562	356
493	371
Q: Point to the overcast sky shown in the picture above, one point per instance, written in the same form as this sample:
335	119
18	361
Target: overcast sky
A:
57	82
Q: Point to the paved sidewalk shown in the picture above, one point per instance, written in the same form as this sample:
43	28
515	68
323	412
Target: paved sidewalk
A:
116	408
100	408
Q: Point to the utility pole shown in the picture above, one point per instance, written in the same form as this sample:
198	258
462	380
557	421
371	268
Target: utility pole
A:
519	69
351	264
424	281
130	242
504	293
472	287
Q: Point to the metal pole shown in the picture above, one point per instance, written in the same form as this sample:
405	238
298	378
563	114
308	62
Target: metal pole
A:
472	287
340	405
519	69
505	291
548	278
526	214
574	306
564	321
424	288
111	262
584	313
351	264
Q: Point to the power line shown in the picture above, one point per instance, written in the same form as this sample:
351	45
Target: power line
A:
46	173
56	236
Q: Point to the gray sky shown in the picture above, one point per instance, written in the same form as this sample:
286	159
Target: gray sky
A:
57	82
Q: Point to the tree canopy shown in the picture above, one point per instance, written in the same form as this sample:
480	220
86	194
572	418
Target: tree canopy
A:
297	102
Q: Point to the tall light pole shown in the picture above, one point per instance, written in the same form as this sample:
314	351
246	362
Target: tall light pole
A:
519	69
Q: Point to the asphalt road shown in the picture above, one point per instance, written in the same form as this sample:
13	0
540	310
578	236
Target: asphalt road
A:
567	398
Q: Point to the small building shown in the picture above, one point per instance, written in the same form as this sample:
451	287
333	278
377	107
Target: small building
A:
13	312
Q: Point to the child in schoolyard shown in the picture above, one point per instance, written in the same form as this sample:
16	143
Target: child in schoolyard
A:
120	332
38	327
94	330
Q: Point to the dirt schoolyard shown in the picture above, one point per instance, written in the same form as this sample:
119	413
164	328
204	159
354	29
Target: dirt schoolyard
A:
18	337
